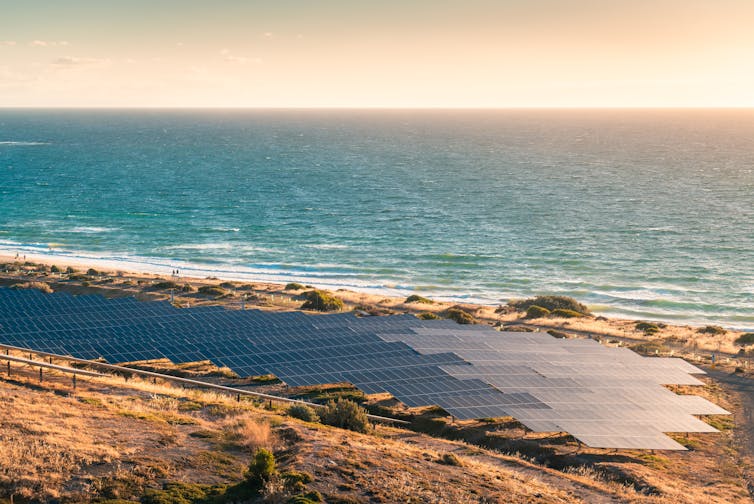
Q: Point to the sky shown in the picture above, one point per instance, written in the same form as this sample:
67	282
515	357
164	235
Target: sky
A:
358	53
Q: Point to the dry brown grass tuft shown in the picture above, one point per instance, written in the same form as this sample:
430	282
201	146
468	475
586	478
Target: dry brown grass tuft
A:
250	433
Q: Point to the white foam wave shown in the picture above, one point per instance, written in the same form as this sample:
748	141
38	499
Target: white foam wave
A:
92	229
26	144
326	246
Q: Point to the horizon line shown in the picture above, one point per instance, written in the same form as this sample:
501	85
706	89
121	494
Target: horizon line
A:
367	107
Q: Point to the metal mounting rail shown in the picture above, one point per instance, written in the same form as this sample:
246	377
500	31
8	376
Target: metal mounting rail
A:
64	369
176	379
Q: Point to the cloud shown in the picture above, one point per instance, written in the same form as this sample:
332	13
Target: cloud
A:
7	42
240	60
71	62
49	43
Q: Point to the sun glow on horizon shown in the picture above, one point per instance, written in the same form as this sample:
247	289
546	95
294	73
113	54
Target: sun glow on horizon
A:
474	54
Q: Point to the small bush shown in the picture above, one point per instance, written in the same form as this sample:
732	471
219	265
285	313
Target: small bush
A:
535	311
92	272
321	301
187	288
165	285
262	468
745	339
428	316
650	347
415	298
712	329
312	497
41	286
54	269
294	286
647	328
228	285
212	290
303	412
450	459
551	303
346	414
180	493
70	270
562	313
460	316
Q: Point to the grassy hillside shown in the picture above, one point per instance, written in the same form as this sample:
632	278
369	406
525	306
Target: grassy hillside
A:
113	441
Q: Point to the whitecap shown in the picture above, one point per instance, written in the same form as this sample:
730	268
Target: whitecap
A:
23	144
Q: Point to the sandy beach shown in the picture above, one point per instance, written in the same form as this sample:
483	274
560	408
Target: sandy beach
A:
692	342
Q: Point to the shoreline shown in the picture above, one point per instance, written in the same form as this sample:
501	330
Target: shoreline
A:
266	295
143	265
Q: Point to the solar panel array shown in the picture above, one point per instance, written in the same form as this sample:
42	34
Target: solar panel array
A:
605	397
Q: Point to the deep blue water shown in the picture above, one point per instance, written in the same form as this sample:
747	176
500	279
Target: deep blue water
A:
644	214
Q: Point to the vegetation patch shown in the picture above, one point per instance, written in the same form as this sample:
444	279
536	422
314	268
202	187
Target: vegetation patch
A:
712	329
415	298
40	286
563	313
346	414
536	311
648	328
557	334
165	285
294	286
303	412
745	339
649	347
551	303
459	316
450	459
321	301
212	290
428	316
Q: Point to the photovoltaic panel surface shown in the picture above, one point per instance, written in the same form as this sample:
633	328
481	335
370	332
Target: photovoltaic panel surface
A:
605	397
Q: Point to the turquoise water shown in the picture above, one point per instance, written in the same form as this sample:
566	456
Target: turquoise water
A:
642	214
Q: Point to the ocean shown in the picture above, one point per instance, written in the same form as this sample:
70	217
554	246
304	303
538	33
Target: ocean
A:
645	214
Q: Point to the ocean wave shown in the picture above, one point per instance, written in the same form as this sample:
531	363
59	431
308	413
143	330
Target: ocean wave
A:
91	230
23	144
326	246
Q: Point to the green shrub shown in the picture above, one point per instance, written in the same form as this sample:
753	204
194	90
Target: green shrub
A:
312	497
551	303
647	328
321	301
228	285
428	316
70	270
460	316
535	311
54	269
294	286
180	493
303	412
745	339
187	288
92	272
212	290
712	329
346	414
415	298
563	313
165	285
262	468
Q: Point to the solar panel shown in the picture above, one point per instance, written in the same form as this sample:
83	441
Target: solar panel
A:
605	397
